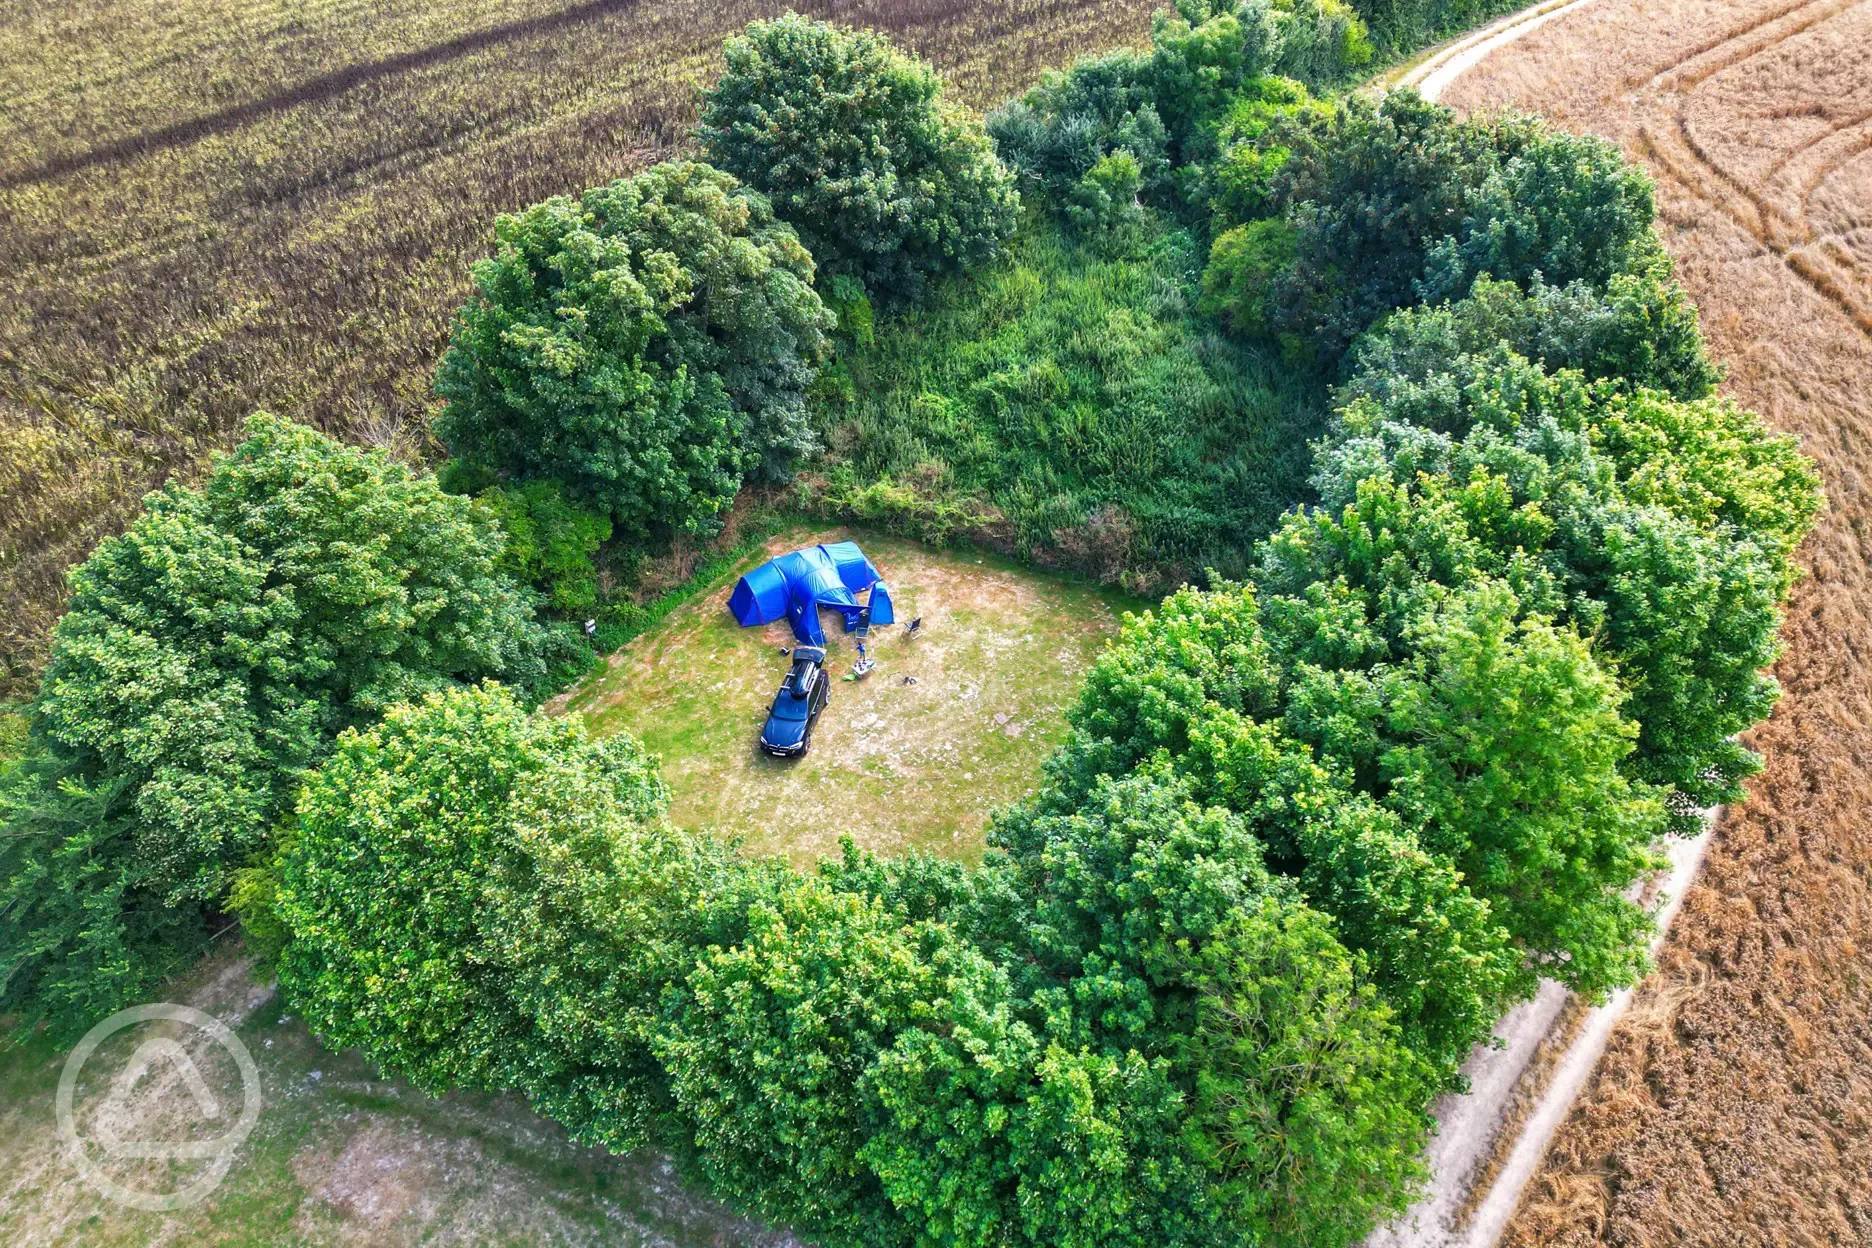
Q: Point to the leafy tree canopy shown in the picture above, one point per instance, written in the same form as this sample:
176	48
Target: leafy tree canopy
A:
852	140
647	347
1665	528
209	656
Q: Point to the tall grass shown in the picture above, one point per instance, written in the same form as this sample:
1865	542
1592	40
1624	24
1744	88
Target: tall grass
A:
1074	392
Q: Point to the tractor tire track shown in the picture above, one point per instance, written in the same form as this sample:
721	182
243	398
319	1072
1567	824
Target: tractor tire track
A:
1671	143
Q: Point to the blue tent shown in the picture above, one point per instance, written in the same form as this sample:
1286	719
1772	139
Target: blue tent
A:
797	584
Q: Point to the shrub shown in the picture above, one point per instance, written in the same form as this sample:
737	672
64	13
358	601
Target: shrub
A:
1105	199
644	347
854	144
1253	146
211	654
1064	126
1639	331
550	542
1243	265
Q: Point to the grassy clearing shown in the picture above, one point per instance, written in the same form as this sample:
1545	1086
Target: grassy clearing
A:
897	766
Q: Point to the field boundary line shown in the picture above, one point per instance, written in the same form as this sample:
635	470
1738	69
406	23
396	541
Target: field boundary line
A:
1432	75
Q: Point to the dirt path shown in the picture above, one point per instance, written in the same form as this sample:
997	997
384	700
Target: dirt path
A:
1727	1100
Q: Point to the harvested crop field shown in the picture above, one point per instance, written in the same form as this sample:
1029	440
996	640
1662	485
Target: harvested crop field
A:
1734	1102
897	766
233	204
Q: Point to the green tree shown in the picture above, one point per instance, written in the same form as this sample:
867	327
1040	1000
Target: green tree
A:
485	898
210	655
646	347
1665	529
1067	123
1640	331
767	1045
855	145
1308	1110
550	541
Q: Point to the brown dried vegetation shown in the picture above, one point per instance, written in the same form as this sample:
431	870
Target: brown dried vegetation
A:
1734	1103
211	207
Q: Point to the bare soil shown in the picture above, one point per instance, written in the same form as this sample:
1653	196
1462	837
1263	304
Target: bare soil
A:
1734	1102
340	1156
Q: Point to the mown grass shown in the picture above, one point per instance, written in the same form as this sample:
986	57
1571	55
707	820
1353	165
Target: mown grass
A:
897	766
1075	388
220	206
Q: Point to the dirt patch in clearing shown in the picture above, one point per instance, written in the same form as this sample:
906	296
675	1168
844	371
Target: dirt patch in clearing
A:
339	1155
1734	1101
952	723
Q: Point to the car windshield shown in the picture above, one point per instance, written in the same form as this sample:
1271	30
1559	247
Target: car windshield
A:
786	706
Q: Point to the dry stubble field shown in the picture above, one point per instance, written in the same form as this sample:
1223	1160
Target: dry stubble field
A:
1734	1103
220	205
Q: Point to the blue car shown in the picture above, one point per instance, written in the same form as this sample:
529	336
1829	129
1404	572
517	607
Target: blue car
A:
803	694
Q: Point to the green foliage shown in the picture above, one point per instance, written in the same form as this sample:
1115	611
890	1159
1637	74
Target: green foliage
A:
1206	88
1321	41
1106	198
485	898
1079	393
208	657
767	1045
84	931
645	347
1252	148
1401	26
1307	1109
1370	190
1402	201
1663	528
854	144
1562	207
550	542
1639	331
1243	266
1069	122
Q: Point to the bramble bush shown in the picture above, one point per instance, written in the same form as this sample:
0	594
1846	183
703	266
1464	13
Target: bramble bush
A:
647	347
852	141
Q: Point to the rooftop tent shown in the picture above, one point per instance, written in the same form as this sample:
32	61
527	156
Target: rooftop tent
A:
797	584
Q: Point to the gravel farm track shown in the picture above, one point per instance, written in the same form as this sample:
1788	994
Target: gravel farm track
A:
1733	1105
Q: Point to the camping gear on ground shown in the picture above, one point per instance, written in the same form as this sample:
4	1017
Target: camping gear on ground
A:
795	585
914	627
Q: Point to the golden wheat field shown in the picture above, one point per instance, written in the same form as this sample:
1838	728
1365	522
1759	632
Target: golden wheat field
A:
1734	1104
211	207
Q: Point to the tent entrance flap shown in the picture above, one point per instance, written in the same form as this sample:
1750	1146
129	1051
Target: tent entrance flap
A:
795	585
